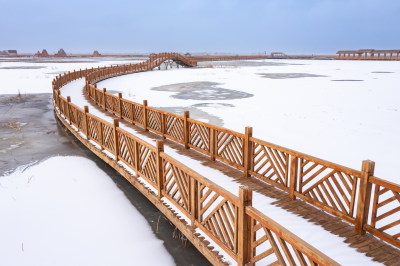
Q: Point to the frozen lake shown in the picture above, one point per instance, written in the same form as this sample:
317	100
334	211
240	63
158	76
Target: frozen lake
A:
341	111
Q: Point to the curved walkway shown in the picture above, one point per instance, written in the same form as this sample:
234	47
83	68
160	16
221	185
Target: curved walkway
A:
270	200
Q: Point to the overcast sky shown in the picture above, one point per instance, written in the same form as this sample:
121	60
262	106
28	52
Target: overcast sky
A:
234	26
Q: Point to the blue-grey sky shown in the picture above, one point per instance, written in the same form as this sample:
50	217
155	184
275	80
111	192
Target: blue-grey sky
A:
233	26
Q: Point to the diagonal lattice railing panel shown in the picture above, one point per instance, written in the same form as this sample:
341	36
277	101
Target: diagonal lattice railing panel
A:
218	217
385	216
270	164
335	189
199	136
126	146
137	111
174	127
114	104
147	164
177	186
109	101
95	130
272	244
126	110
154	120
229	148
108	137
77	118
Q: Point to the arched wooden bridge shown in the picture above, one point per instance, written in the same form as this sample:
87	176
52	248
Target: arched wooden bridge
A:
211	217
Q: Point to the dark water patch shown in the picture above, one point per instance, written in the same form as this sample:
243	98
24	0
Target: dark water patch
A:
289	75
202	91
213	105
23	67
195	113
347	80
382	72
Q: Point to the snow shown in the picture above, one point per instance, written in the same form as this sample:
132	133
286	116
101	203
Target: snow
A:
32	75
326	116
331	245
66	211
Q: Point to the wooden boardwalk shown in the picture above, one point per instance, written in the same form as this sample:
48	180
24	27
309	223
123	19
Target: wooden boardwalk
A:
373	247
333	196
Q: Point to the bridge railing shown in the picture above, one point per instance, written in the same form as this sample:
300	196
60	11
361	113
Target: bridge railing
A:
210	209
329	186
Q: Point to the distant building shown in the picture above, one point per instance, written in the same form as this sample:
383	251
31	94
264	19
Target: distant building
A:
9	52
96	53
61	53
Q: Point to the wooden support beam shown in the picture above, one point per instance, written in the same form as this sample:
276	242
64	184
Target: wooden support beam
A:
364	196
145	115
294	163
69	109
116	139
104	99
87	129
248	151
120	105
160	168
244	227
212	144
186	129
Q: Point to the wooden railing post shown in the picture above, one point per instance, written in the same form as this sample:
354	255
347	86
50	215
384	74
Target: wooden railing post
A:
69	109
186	129
244	226
194	201
145	115
364	196
137	158
104	99
160	168
294	162
86	110
212	144
132	113
163	125
120	104
248	151
116	142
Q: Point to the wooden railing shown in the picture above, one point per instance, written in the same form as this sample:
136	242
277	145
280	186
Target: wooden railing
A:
329	186
226	219
369	57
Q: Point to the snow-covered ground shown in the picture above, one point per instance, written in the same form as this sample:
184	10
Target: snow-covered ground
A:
341	111
66	211
34	75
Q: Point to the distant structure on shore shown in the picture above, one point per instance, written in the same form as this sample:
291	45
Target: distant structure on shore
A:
9	52
61	53
278	55
44	53
368	54
96	53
